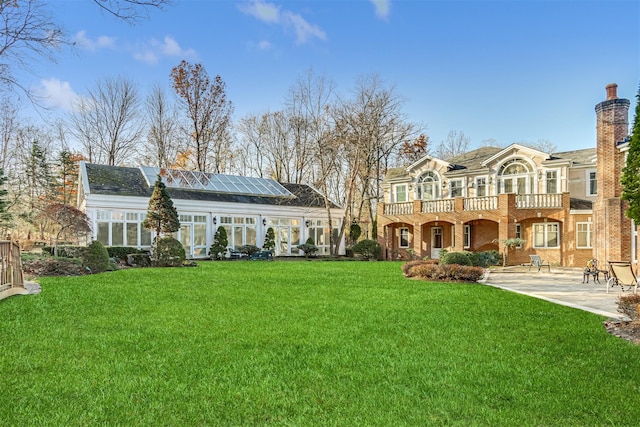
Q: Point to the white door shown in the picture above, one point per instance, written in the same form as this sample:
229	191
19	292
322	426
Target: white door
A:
436	242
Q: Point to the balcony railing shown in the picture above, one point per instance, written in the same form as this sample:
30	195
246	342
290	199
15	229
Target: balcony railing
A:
435	206
398	208
481	203
538	201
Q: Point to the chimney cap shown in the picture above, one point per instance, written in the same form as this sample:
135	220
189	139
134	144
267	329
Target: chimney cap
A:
612	91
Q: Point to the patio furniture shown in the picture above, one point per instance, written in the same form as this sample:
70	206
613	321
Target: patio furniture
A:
262	255
536	261
621	274
592	270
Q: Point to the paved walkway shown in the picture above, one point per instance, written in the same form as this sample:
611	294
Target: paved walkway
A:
561	286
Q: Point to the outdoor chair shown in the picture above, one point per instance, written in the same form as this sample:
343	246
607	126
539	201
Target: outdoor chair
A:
262	255
622	275
536	261
592	270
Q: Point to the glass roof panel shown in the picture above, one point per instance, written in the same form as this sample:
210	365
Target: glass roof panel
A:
218	183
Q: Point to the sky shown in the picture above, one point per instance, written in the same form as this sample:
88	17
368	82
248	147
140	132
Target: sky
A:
504	70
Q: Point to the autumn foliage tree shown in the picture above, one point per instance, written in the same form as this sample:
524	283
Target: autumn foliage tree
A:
209	113
67	222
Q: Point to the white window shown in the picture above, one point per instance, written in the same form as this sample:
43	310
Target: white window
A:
467	236
117	228
516	176
552	182
428	187
583	235
592	183
519	234
481	187
404	237
546	235
240	230
401	193
455	188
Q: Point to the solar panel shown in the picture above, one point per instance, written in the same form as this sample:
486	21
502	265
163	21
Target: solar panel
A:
219	183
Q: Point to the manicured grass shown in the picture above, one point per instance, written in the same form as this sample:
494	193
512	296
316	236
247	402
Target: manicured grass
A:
304	343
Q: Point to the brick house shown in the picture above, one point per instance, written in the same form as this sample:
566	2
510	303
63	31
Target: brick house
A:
565	205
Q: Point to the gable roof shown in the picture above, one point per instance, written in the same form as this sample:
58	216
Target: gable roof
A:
131	182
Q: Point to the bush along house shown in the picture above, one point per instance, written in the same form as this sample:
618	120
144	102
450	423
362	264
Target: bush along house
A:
566	206
116	200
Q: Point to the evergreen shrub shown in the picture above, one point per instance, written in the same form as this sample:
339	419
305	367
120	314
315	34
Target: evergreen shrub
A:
367	249
168	252
96	258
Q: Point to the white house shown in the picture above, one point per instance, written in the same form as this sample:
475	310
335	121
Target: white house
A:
116	200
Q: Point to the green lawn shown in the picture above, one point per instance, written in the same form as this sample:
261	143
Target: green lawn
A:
305	343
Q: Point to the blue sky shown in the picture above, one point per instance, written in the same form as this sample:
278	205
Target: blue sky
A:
508	70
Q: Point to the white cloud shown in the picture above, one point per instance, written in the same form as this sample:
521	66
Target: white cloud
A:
57	93
383	8
266	12
264	45
101	42
153	50
271	14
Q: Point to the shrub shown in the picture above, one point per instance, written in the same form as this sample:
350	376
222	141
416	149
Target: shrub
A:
53	267
97	257
139	260
460	258
407	267
248	249
65	251
308	249
447	272
487	258
121	252
269	240
368	249
168	252
220	243
629	305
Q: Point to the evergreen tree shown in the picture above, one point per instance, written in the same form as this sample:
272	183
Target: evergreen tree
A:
269	240
5	215
630	179
68	177
220	243
162	217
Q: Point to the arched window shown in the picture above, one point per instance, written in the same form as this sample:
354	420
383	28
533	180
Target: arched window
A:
428	186
516	176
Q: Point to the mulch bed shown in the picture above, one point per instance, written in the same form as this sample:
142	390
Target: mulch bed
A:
627	330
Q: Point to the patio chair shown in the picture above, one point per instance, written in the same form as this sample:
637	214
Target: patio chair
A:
622	275
536	261
592	270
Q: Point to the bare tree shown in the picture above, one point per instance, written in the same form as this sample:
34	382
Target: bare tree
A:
310	101
209	113
162	135
107	121
131	11
28	32
543	145
454	144
8	129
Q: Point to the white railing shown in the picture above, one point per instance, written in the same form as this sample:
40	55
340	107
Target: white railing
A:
481	203
539	201
398	208
434	206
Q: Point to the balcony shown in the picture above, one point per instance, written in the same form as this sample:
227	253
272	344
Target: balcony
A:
502	202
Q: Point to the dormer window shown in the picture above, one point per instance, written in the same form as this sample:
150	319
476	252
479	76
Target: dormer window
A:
428	187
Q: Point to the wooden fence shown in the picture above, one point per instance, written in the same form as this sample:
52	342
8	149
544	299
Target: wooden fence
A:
11	278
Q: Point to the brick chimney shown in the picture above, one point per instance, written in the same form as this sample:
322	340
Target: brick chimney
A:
612	91
611	227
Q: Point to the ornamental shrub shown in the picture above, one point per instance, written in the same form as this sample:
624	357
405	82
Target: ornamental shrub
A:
96	257
460	258
121	252
368	249
220	243
248	249
168	252
447	272
308	249
269	240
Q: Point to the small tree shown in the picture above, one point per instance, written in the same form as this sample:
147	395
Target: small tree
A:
309	248
630	178
97	257
220	243
162	217
269	240
354	232
71	222
509	244
368	249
